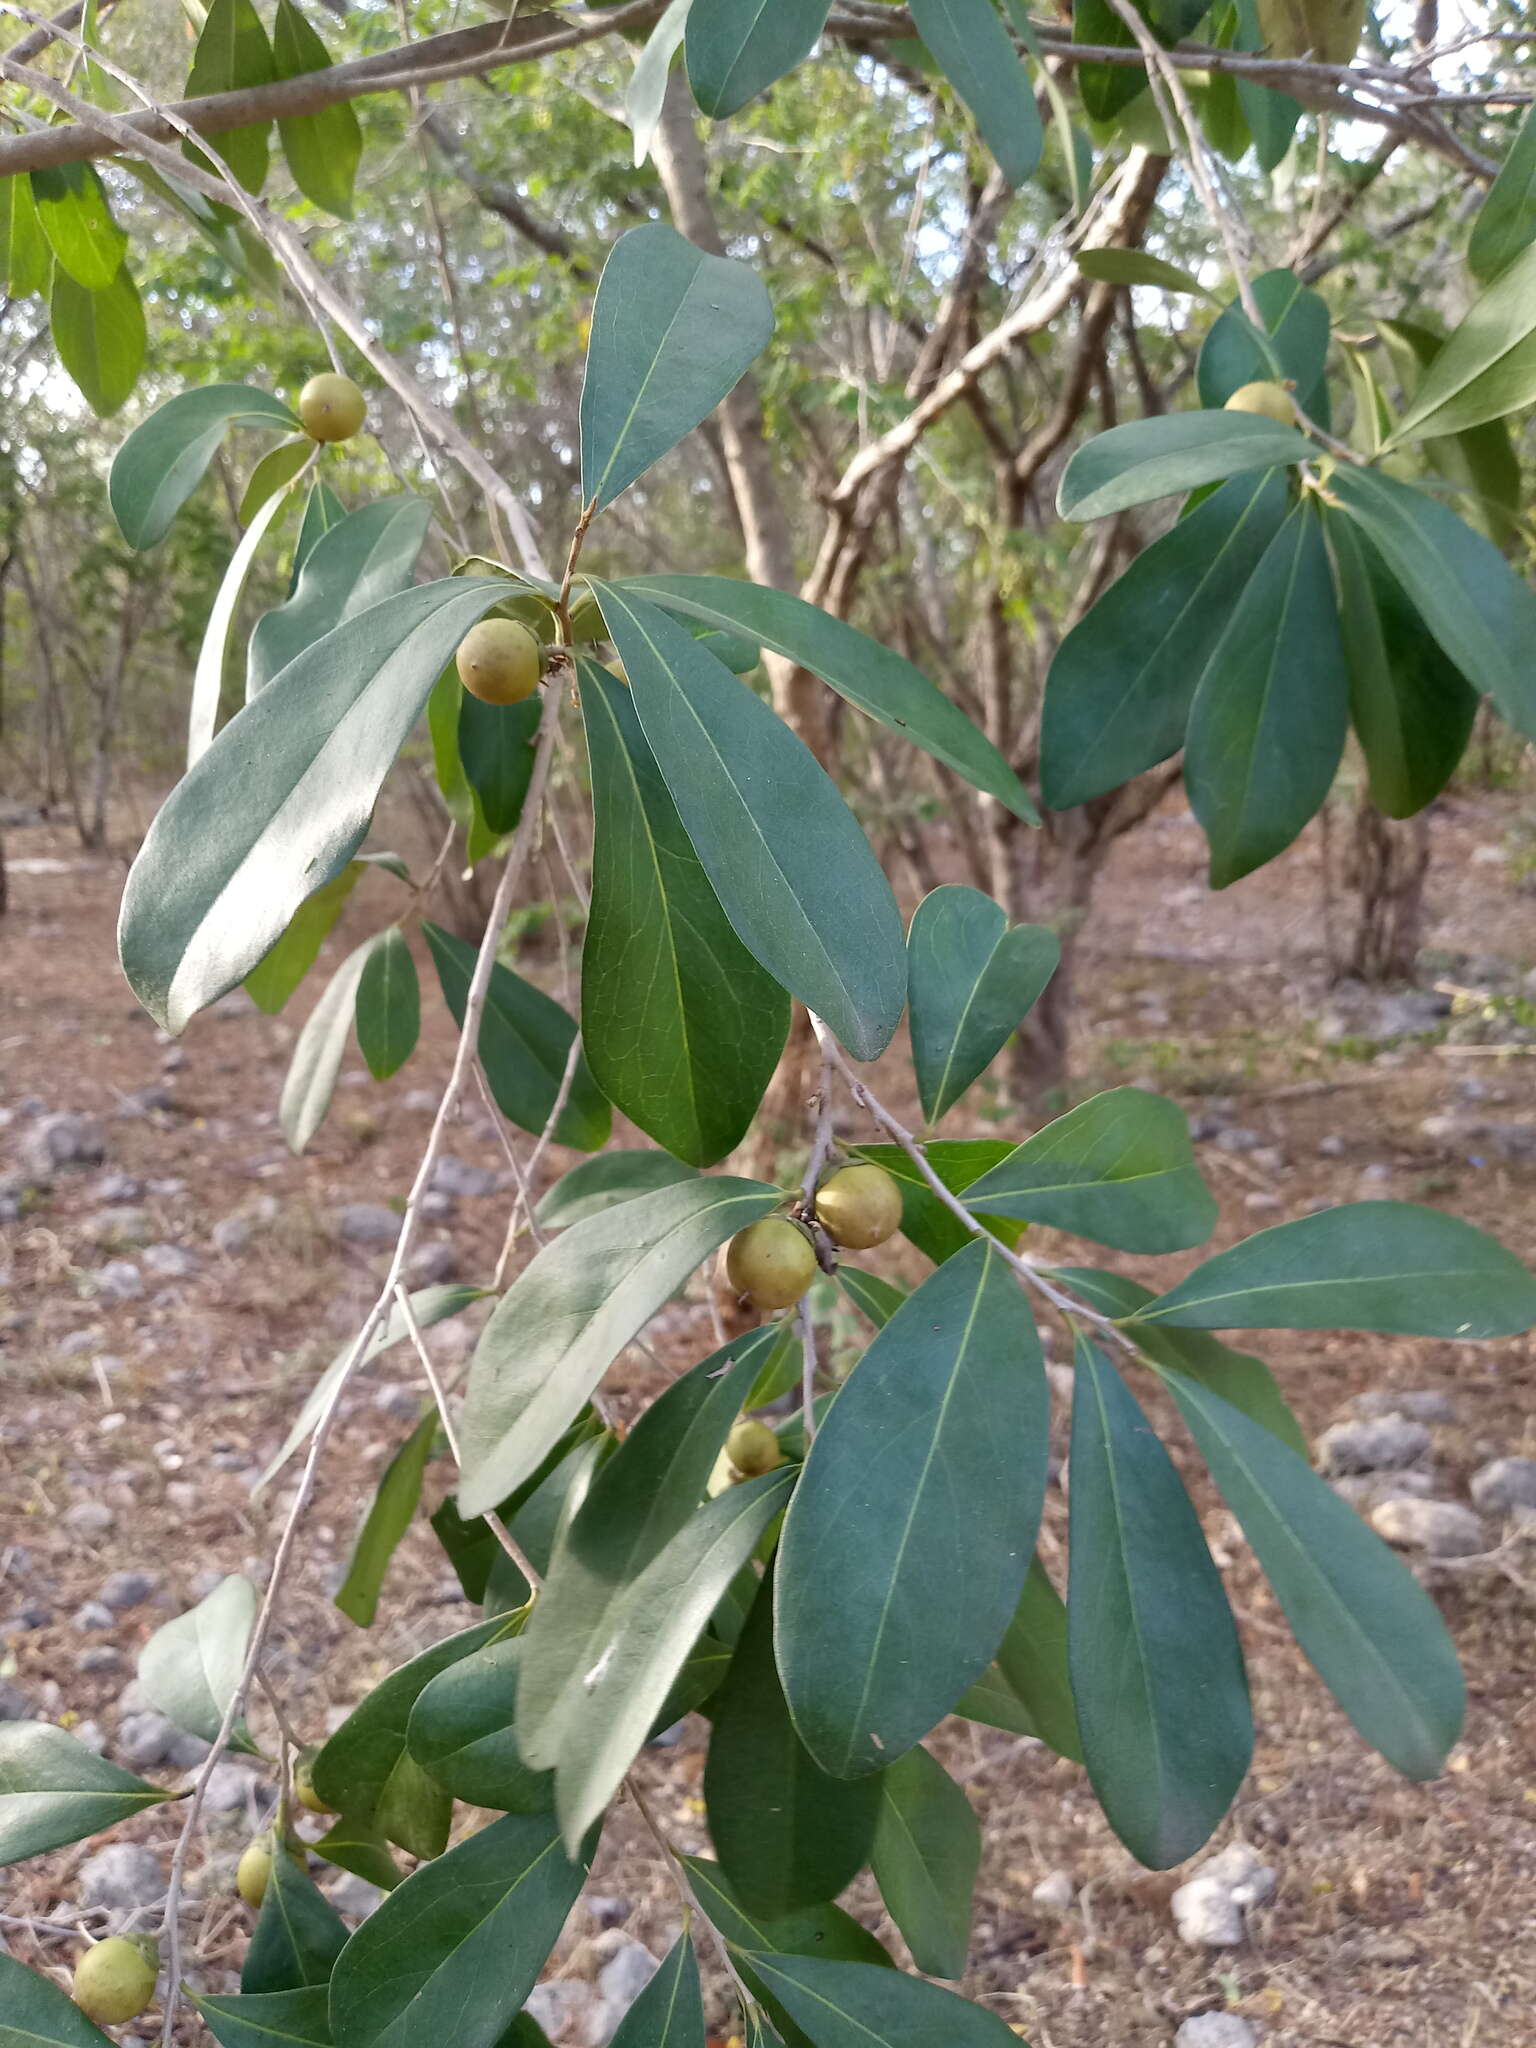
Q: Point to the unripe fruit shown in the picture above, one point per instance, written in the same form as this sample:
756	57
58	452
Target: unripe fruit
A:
498	661
304	1785
331	408
753	1448
771	1262
1326	30
254	1871
1270	401
859	1207
115	1980
587	619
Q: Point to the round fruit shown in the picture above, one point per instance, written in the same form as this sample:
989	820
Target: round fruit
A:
859	1206
115	1980
1270	401
498	661
771	1262
753	1448
331	408
254	1871
304	1785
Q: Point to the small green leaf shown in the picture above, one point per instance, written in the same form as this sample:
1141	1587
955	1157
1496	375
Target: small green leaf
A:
23	246
298	1933
1487	365
232	52
74	215
462	1733
268	2019
1155	458
738	48
972	981
852	2005
926	1855
351	1845
208	677
1292	347
496	743
602	1183
1028	1687
322	510
974	51
34	2013
53	1790
100	337
162	462
1506	221
275	471
1135	266
323	149
356	562
317	1053
390	1514
669	2013
1272	116
388	1005
648	81
190	1667
874	1297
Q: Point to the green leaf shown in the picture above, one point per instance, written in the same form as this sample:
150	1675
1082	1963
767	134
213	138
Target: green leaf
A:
1389	1266
979	60
1366	1624
669	2013
298	1933
972	981
233	51
1154	458
793	872
1506	221
926	1856
876	1298
872	678
390	1514
1119	1168
322	510
1272	116
275	471
648	81
602	1183
452	1954
1121	683
34	2013
388	1005
1267	726
269	2019
781	1370
1412	711
462	1733
496	744
1028	1687
323	149
738	48
351	1845
100	337
23	248
208	677
1105	89
853	2005
786	1834
317	1053
53	1790
643	1497
1487	364
525	1041
283	798
1481	461
1292	348
570	1313
191	1666
929	1469
681	1025
73	213
647	1634
1135	266
1481	613
358	561
1157	1670
162	462
673	329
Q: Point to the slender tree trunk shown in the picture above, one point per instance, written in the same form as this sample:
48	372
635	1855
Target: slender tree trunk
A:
1386	865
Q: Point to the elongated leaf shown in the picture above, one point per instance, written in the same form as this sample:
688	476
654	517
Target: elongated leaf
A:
681	1025
73	213
161	463
738	48
317	1053
1267	726
496	748
462	1733
669	2013
351	1845
100	337
1119	1168
233	51
1506	221
1292	348
793	872
453	1953
282	800
817	1931
390	1514
323	148
1157	1671
648	80
525	1041
601	1183
571	1312
190	1667
929	1469
1390	1266
1120	686
1487	366
1272	116
269	2019
34	2013
1475	606
1367	1625
976	56
322	510
23	248
786	1834
356	562
388	1005
926	1855
208	677
673	329
1028	1687
874	1297
298	1934
1155	458
276	470
54	1790
647	1634
1135	266
852	2005
872	678
1481	461
641	1499
972	982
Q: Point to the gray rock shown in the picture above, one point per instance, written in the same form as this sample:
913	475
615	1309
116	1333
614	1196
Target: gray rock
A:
229	1788
14	1704
354	1896
629	1968
1055	1891
232	1235
92	1615
607	1911
459	1178
1209	1911
559	2004
1424	1404
90	1735
147	1739
1440	1528
436	1207
170	1261
118	1227
89	1518
129	1589
368	1223
1215	2030
1504	1485
117	1187
34	1615
403	1403
122	1876
1363	1490
99	1657
1331	1147
431	1265
1237	1138
119	1280
1384	1444
146	1101
63	1140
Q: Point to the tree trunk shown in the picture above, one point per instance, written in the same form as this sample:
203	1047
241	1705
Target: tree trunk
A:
1386	863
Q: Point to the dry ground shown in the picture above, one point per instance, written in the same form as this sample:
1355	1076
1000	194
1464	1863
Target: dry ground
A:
1403	1911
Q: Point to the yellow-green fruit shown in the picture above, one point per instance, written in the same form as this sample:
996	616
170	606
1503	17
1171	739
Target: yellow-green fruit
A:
587	619
1270	401
1326	30
498	661
254	1871
331	408
304	1785
115	1980
772	1262
859	1206
753	1448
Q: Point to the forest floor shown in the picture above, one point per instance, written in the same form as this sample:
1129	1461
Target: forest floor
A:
1402	1912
